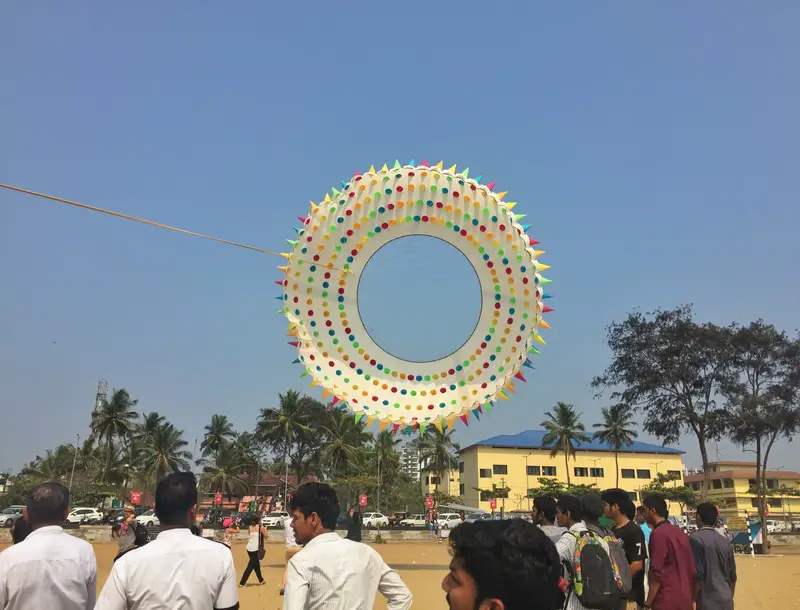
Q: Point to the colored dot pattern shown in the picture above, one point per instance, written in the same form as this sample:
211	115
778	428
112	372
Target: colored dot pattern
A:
320	301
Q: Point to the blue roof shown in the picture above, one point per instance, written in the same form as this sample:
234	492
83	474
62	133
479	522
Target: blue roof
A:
532	439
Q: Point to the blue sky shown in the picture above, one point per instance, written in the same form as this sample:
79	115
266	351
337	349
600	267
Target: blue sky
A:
654	147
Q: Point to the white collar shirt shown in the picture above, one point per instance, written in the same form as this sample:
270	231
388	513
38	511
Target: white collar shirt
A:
566	546
332	573
49	569
177	570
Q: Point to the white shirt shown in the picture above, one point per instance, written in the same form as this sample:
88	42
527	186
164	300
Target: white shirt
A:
333	573
49	569
288	531
177	570
566	551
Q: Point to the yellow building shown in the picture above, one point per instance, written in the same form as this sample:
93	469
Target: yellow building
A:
517	461
730	490
447	482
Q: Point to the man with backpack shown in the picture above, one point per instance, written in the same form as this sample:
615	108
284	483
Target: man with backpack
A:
594	579
620	509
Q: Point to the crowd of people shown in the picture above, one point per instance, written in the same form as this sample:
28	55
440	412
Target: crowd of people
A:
566	559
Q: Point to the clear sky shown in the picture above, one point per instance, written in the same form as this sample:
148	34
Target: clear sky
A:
654	147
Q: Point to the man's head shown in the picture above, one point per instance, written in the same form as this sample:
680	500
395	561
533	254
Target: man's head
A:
501	565
176	500
655	509
544	508
592	507
569	511
640	512
707	515
628	509
314	509
48	504
614	501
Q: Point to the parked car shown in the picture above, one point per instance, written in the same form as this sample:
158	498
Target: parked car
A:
396	517
449	519
472	517
275	519
85	516
10	515
414	521
148	518
375	520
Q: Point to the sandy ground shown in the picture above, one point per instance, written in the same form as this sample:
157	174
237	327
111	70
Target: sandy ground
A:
764	582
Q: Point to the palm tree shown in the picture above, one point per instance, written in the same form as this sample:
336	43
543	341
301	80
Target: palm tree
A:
224	472
166	452
217	433
146	429
564	432
55	464
113	420
438	451
615	430
343	437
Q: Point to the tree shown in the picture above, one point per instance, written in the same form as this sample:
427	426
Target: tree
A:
166	453
763	398
343	437
224	472
438	451
615	430
671	368
564	431
682	494
113	420
217	433
556	489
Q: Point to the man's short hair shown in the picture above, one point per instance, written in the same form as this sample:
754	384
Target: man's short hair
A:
545	505
708	514
175	496
48	503
317	498
592	506
658	504
571	505
615	496
511	560
628	508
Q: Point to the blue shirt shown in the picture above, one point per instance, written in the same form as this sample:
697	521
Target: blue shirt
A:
646	530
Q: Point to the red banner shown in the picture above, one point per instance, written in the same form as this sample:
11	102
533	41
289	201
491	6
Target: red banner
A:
492	503
218	498
136	497
429	502
362	501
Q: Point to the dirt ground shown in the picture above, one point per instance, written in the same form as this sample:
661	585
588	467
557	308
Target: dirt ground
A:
765	583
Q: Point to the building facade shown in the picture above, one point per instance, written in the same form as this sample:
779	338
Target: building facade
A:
731	483
445	482
409	461
516	461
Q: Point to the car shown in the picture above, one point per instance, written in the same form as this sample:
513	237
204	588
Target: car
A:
84	515
448	519
147	518
414	521
375	520
473	517
276	518
10	515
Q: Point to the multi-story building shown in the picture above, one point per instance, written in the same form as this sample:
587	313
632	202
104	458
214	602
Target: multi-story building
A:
731	483
445	482
517	461
409	460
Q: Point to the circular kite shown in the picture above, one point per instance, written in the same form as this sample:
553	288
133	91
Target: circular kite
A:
320	295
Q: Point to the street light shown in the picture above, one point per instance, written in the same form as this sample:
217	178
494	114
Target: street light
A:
528	481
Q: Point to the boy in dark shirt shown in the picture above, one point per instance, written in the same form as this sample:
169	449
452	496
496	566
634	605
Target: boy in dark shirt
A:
620	509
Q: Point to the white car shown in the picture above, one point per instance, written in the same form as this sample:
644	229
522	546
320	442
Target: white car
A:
448	519
148	517
276	518
375	520
414	521
472	517
84	515
10	515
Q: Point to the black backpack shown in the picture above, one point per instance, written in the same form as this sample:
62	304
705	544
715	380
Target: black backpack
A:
140	534
594	577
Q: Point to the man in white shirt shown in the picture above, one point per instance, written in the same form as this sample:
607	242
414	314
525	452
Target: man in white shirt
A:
50	568
177	570
332	572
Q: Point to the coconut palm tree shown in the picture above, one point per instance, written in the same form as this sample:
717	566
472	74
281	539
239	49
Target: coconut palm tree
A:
146	428
224	472
54	466
113	420
217	433
564	432
343	437
615	430
166	452
438	451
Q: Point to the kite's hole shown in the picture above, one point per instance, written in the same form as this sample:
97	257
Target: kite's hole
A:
419	298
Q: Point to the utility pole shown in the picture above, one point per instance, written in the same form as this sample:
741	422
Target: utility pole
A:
528	481
379	481
74	460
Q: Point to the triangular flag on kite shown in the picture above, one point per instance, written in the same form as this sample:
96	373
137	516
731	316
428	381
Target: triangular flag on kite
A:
465	419
520	376
452	170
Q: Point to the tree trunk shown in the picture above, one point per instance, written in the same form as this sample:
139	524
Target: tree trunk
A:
566	461
762	489
706	472
616	461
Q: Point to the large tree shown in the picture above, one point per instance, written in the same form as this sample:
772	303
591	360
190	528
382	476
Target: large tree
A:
616	430
564	431
438	451
343	436
113	420
763	398
672	369
217	433
166	453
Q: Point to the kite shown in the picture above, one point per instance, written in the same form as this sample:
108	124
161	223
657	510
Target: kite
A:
320	287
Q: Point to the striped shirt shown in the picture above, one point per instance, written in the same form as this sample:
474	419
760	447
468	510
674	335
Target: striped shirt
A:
332	573
566	546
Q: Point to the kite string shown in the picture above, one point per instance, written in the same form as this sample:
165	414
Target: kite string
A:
147	222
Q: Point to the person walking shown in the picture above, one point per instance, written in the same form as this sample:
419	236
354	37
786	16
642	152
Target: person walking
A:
21	530
544	515
354	523
292	548
672	568
178	570
255	551
714	559
618	507
230	530
331	571
50	569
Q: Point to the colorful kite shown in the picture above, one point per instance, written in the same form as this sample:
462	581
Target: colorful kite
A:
332	249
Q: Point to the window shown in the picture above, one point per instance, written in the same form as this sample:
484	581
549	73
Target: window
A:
486	495
499	469
751	483
461	489
461	466
435	480
628	473
754	502
549	471
581	472
534	471
643	473
716	484
485	473
727	483
772	484
633	496
597	473
674	473
427	480
775	503
695	486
